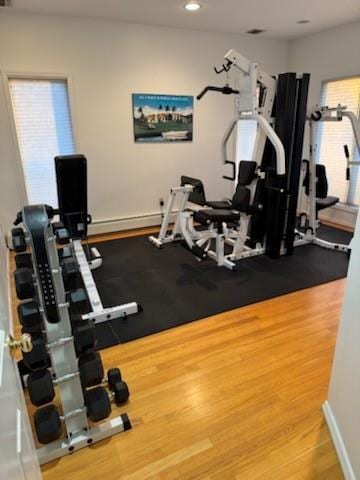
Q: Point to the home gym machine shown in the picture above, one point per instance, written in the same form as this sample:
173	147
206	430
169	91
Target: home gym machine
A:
71	176
63	355
315	180
261	216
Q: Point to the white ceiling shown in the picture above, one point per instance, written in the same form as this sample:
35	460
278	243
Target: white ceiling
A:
277	17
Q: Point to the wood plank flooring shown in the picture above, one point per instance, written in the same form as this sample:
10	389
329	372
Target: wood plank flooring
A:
233	396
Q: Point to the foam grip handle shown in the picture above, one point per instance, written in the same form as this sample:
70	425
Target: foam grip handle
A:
346	150
348	174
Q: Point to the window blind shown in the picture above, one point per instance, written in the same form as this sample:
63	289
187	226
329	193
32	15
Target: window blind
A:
44	130
245	136
332	136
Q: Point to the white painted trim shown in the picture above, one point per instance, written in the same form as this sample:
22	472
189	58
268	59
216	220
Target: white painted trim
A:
340	214
126	223
10	311
338	442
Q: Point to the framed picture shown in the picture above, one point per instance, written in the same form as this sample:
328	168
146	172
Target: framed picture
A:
162	118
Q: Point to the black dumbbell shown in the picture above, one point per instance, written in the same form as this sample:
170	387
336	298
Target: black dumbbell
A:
78	301
62	236
84	335
98	400
24	283
29	314
98	404
40	387
47	423
23	372
38	358
120	393
91	369
18	239
64	252
23	260
70	273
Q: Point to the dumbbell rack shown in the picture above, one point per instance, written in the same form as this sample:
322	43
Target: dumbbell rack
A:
60	343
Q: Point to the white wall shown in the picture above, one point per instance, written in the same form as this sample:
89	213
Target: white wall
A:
109	61
327	55
342	408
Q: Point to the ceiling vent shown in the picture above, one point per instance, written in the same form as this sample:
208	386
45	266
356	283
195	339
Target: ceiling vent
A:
255	31
5	3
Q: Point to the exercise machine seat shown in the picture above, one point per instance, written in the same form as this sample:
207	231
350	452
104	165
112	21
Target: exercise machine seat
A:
220	204
208	216
327	202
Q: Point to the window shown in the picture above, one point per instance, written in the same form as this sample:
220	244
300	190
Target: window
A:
44	130
332	136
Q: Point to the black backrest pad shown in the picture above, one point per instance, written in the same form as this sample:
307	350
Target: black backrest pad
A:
71	178
321	181
246	172
241	199
198	194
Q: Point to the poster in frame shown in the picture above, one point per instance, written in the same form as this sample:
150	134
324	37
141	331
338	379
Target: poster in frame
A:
162	118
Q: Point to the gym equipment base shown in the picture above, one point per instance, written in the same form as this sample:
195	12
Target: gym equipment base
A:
60	448
174	288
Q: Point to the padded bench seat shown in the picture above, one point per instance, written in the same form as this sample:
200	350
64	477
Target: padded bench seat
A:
208	216
326	202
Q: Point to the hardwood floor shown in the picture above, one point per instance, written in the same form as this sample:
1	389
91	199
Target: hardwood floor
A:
233	396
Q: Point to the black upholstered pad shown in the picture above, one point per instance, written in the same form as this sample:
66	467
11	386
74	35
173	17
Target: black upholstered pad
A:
208	216
220	204
327	202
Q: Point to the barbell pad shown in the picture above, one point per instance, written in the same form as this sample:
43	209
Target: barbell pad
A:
24	283
37	358
18	239
91	369
23	260
113	376
97	403
84	334
121	393
40	387
29	314
47	424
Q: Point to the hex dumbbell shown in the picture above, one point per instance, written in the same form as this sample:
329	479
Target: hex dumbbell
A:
23	260
37	358
29	314
98	400
78	301
24	283
41	388
70	273
18	239
84	335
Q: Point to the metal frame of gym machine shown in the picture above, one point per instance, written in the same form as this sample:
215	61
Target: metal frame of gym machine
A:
325	114
60	343
76	222
278	105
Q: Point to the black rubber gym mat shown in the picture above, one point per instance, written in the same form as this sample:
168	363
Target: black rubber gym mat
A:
174	288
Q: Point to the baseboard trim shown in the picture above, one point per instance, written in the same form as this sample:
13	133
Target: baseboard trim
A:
338	442
125	223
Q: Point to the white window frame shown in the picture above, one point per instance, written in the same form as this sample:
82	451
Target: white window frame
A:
7	76
341	206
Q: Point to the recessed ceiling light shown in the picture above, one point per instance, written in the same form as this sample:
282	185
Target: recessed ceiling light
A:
301	22
192	6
